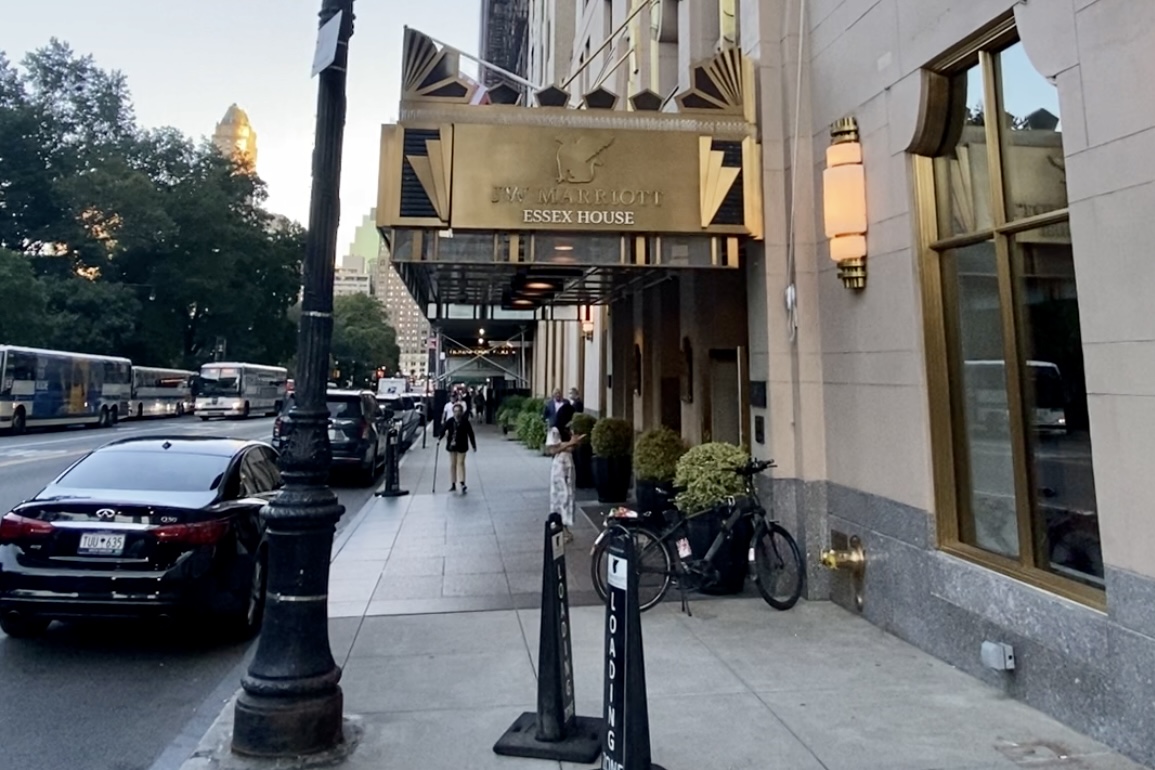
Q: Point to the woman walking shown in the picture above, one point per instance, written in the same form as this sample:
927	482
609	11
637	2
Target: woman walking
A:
459	438
560	444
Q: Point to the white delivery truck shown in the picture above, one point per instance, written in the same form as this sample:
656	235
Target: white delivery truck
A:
392	386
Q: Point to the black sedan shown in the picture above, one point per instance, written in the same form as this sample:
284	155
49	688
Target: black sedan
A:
143	527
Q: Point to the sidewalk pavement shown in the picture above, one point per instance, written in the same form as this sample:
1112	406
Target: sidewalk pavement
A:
434	620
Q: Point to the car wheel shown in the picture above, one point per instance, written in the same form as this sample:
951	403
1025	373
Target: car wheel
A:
19	425
22	626
113	417
245	412
140	411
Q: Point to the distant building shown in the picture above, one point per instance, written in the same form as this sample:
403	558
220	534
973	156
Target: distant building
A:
406	316
235	137
347	282
503	38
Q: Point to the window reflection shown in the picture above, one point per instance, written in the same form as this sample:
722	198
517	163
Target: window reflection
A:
1065	508
962	176
987	473
1033	164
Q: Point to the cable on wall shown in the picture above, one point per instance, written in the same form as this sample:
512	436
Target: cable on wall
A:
791	295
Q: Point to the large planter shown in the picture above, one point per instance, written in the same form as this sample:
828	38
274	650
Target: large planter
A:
583	464
732	562
612	478
651	497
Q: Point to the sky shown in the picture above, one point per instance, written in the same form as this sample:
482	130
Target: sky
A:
186	61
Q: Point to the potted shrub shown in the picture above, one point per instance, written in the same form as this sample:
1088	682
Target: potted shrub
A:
706	473
583	455
656	455
507	413
530	427
611	441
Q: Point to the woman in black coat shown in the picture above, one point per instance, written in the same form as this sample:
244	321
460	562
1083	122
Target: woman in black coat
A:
458	434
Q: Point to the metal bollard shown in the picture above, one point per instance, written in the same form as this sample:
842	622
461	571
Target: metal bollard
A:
393	464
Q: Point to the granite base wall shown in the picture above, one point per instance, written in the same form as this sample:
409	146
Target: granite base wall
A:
1092	670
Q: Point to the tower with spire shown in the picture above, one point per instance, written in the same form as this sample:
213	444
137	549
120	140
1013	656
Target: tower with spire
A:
235	137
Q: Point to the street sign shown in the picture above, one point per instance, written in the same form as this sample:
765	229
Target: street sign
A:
327	39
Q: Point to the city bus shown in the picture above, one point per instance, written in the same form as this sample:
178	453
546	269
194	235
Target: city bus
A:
53	388
160	392
240	390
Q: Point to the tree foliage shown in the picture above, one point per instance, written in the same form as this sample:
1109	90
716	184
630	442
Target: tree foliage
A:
137	242
362	339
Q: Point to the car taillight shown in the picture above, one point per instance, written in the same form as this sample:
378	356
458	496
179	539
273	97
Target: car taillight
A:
277	428
15	528
201	533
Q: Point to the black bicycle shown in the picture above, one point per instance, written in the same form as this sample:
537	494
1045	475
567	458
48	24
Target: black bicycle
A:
663	554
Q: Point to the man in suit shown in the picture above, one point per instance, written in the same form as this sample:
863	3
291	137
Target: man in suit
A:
549	413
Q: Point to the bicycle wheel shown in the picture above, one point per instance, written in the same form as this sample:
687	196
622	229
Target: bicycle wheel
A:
654	568
777	566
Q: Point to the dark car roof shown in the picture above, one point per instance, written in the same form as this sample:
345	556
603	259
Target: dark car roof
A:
207	445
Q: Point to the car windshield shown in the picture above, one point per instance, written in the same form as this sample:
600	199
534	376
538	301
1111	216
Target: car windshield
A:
153	471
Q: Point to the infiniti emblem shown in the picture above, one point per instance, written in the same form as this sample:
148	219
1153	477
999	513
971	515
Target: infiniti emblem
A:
105	513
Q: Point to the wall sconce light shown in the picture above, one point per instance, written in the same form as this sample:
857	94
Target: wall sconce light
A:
588	330
844	203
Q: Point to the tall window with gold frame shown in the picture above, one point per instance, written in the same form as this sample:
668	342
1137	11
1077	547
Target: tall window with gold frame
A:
1008	396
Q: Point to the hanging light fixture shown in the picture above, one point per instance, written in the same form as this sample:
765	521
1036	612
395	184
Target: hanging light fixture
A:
844	203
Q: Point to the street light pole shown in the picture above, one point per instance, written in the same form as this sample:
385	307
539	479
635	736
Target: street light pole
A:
291	702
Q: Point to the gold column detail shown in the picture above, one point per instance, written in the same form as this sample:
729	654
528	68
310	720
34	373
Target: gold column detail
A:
715	179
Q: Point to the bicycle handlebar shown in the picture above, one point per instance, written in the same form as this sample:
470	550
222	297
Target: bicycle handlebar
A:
754	467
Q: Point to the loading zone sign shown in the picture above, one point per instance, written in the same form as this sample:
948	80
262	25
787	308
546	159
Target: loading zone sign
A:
614	753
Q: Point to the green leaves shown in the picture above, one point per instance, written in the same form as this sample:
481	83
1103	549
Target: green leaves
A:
362	338
656	454
707	474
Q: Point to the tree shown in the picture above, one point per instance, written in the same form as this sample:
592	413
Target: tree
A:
144	242
362	338
23	313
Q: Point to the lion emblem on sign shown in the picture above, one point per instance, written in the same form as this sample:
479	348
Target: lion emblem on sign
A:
578	159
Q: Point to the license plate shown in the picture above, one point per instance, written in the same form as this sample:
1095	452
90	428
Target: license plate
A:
101	544
684	551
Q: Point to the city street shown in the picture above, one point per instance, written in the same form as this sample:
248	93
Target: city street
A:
111	696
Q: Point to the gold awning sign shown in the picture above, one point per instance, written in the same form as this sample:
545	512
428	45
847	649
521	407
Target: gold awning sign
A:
457	165
515	177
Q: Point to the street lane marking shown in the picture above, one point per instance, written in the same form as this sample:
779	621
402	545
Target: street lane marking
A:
55	456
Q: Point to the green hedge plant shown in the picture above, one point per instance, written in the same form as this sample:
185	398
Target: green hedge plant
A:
706	472
656	455
508	411
583	424
612	437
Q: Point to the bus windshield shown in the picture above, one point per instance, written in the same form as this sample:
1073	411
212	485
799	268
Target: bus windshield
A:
219	382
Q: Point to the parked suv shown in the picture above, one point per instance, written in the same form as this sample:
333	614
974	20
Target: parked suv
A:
356	431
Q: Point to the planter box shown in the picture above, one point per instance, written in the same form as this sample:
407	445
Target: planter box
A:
650	497
612	478
583	461
733	560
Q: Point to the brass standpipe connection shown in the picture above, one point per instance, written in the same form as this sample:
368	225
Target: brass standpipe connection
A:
851	559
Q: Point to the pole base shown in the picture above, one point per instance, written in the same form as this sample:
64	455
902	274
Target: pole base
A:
393	493
287	727
583	744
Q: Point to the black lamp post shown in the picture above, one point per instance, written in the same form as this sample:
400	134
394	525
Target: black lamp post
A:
292	703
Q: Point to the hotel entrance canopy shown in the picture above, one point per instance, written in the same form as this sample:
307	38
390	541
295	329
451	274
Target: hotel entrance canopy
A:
487	202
